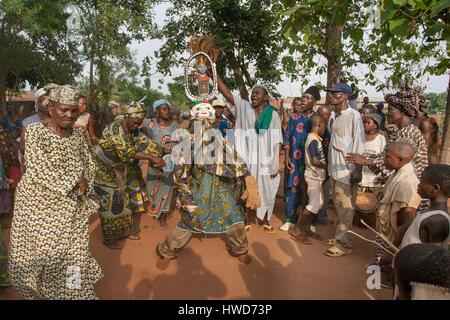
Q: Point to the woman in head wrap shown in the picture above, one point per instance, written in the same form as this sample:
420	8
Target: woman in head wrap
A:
118	177
403	107
160	183
49	251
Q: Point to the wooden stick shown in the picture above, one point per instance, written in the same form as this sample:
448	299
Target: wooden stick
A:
382	236
371	241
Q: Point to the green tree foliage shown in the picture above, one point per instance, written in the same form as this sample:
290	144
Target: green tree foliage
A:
34	48
246	31
336	30
404	38
417	29
106	30
122	85
437	102
177	96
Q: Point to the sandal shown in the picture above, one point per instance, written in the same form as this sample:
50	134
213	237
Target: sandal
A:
330	242
301	238
245	258
315	236
267	228
335	252
162	263
135	237
113	244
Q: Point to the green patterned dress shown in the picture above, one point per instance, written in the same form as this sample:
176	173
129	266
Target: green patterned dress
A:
117	169
209	194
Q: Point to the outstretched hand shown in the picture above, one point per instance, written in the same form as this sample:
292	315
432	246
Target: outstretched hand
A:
158	162
82	186
357	159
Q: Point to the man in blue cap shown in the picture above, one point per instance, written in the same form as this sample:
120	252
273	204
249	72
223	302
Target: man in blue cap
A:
347	137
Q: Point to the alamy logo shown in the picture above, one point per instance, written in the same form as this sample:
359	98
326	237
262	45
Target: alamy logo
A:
73	278
374	279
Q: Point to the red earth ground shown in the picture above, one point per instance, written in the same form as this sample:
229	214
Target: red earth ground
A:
281	268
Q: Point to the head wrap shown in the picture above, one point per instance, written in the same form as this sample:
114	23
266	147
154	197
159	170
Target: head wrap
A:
314	91
261	86
159	103
408	100
64	94
39	93
135	110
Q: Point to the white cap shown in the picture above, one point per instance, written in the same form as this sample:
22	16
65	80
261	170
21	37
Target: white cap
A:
218	103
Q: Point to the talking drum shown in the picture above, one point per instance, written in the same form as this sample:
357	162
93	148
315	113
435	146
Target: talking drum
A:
366	207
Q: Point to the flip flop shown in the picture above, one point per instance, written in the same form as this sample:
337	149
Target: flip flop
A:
245	259
330	242
315	236
114	245
134	237
267	228
303	239
335	252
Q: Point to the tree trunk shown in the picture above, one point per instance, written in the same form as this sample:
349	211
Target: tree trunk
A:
333	53
91	72
2	92
445	149
238	76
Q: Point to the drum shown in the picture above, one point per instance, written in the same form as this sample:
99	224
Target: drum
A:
366	208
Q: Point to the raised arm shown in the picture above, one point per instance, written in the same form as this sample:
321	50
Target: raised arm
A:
225	91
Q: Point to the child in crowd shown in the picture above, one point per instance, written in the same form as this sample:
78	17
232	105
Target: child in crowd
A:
326	112
433	224
294	144
422	272
399	202
315	175
375	143
366	110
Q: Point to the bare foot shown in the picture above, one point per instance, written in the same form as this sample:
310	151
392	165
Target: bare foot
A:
162	264
301	237
314	235
245	259
163	222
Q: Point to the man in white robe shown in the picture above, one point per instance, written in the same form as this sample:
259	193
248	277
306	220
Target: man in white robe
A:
258	143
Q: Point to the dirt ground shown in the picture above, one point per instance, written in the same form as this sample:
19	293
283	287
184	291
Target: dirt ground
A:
281	268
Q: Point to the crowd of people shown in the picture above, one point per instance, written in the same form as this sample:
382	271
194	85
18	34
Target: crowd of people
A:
57	171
